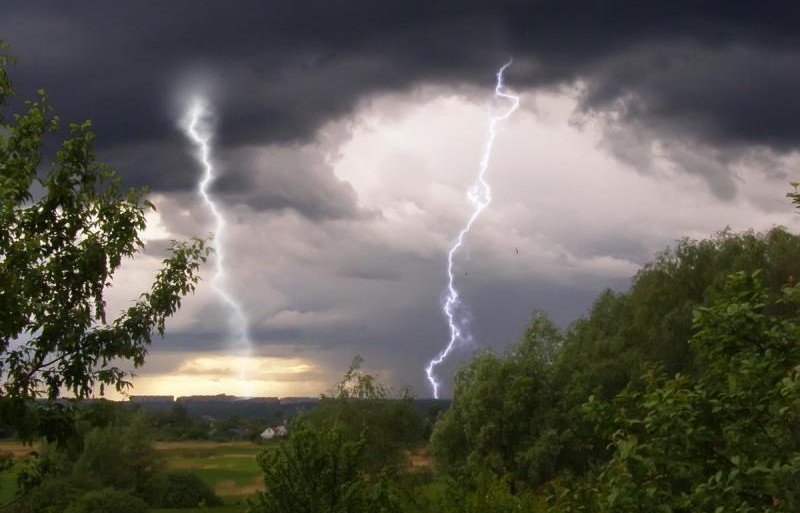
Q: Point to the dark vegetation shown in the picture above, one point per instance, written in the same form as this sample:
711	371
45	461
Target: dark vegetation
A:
110	462
67	226
679	395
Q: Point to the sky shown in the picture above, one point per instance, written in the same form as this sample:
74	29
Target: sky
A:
347	135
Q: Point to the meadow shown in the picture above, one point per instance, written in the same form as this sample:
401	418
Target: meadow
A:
229	467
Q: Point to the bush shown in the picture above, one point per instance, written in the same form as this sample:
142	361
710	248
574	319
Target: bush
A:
365	412
179	490
501	416
319	471
119	457
107	500
53	495
725	439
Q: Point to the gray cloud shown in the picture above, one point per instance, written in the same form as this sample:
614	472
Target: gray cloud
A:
720	73
278	178
333	257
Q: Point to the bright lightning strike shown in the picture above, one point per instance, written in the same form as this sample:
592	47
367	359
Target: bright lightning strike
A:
480	195
198	129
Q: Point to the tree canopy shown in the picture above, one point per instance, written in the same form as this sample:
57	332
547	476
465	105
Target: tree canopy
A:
522	415
66	226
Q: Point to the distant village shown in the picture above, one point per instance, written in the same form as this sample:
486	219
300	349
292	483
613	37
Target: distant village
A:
264	418
222	417
220	398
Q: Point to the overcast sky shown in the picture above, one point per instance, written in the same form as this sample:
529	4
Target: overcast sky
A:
349	131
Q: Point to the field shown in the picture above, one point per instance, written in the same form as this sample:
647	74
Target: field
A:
229	467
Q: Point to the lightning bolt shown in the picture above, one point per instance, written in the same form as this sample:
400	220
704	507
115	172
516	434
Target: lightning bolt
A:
479	195
198	130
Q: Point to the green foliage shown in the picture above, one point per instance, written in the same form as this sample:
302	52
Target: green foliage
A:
652	323
520	414
5	81
115	454
499	416
319	471
53	495
119	457
107	500
50	461
65	228
340	456
179	490
727	439
361	407
176	424
487	493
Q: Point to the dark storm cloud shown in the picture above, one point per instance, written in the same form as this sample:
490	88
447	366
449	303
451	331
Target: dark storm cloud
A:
722	73
290	177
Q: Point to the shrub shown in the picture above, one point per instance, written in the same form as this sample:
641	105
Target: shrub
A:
52	495
179	490
119	457
107	500
319	471
365	411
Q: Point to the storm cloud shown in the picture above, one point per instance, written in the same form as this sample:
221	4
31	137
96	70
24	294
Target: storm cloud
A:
347	132
719	73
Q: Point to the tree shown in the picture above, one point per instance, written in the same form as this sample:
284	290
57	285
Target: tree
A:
179	490
500	418
107	500
726	439
341	455
520	415
319	471
64	231
119	457
364	410
652	322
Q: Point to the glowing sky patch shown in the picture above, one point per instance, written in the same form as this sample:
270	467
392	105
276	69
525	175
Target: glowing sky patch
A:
198	130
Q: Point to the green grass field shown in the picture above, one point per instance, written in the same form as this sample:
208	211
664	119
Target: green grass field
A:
229	467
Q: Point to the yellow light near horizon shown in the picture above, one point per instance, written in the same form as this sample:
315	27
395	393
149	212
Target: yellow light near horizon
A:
233	365
222	374
179	385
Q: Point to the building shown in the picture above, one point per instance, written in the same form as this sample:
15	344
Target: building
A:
295	400
262	400
219	398
151	399
277	432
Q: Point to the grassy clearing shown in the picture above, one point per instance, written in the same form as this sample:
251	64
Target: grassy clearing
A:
229	467
8	480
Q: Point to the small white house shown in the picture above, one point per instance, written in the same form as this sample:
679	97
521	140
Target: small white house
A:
270	433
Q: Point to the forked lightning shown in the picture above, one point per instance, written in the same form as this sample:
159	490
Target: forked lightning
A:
480	195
